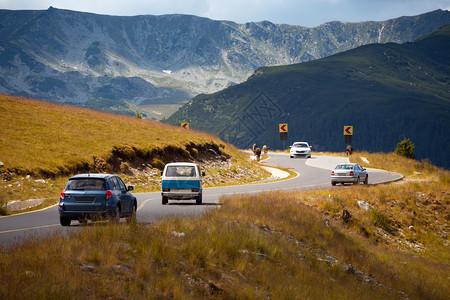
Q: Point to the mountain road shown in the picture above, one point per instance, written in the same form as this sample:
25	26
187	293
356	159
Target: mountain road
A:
312	173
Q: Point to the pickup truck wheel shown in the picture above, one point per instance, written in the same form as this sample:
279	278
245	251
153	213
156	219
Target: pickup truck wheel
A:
366	181
165	200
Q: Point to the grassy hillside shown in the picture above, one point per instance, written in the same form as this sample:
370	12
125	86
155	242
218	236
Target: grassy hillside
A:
52	141
273	245
49	138
386	91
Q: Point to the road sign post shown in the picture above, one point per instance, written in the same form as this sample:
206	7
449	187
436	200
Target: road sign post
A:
348	133
283	129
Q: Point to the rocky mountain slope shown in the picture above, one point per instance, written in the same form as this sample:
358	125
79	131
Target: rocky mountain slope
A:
73	57
386	91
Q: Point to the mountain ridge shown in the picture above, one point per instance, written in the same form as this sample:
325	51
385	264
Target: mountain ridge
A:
386	91
67	56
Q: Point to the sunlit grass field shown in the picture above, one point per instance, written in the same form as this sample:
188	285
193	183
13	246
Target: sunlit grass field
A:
273	245
46	141
46	137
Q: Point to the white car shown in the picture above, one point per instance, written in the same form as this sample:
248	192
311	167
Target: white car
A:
300	149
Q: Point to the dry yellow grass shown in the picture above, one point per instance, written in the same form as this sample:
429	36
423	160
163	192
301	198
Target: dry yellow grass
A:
396	163
273	245
45	137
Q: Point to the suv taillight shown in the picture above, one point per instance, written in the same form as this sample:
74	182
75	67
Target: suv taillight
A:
332	173
351	173
63	194
108	194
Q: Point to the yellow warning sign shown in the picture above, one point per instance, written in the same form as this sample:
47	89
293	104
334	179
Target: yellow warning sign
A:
348	130
283	127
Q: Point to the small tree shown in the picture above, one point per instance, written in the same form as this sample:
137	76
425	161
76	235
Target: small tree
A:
138	115
405	148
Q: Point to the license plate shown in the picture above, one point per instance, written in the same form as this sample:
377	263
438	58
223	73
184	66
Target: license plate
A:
180	190
85	199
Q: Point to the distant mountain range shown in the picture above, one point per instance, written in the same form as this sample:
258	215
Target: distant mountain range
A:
386	91
104	61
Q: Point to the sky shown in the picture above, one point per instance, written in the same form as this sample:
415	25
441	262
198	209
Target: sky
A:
307	13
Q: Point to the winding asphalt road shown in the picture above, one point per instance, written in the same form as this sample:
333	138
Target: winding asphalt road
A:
313	173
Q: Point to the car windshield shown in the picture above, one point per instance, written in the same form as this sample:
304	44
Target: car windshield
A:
344	167
86	184
183	171
301	145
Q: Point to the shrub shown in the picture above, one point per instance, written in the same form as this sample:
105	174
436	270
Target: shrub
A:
379	219
194	152
129	152
184	153
125	152
156	163
100	165
125	168
49	172
141	152
405	148
3	202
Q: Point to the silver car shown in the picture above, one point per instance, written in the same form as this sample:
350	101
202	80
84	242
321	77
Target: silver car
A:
300	149
349	173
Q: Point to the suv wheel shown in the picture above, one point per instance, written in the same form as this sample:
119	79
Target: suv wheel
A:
65	221
132	216
116	216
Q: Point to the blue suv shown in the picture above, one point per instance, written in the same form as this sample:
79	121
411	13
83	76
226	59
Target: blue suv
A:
93	196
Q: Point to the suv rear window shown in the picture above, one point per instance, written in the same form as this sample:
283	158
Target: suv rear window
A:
86	184
183	171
